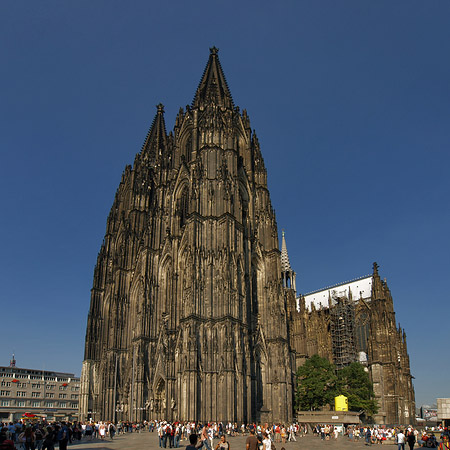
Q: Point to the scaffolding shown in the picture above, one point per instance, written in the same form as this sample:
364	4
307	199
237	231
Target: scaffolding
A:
342	327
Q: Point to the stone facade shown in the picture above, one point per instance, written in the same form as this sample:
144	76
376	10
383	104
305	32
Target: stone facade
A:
193	313
188	317
376	341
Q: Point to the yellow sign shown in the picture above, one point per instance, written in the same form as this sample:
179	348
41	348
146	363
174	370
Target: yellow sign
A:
341	403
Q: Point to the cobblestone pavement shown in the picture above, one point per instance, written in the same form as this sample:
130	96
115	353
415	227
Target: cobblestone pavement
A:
149	441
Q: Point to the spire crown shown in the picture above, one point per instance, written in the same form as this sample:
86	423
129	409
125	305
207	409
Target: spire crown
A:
213	87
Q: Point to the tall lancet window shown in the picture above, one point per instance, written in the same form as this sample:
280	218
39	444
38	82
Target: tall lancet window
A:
184	207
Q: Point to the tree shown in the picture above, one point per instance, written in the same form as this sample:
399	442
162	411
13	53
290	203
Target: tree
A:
316	384
354	383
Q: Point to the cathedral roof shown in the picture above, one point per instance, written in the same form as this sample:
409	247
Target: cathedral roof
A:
213	87
285	264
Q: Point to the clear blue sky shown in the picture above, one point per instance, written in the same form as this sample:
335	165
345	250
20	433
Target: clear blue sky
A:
351	104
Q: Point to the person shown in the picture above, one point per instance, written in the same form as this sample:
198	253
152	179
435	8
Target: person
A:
161	435
211	436
49	439
411	439
8	444
204	437
63	436
178	432
111	430
39	435
27	438
193	438
102	430
267	443
401	440
223	444
444	445
252	442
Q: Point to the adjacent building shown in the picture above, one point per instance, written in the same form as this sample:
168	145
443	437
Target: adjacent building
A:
42	393
355	321
443	411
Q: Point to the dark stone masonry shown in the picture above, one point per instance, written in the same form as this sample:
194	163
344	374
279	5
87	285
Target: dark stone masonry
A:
193	313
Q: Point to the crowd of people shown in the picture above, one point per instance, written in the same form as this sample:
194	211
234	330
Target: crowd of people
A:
45	436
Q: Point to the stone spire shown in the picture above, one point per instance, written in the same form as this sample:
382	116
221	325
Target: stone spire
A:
156	140
285	264
213	87
287	273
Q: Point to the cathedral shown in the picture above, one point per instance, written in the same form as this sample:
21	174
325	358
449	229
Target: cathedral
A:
194	313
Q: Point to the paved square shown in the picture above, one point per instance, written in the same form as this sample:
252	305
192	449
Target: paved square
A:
149	441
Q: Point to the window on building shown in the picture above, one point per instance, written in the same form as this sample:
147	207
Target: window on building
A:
20	403
35	394
21	394
75	388
49	404
63	405
36	386
63	388
6	383
74	405
74	396
36	404
49	395
62	395
5	393
5	403
50	386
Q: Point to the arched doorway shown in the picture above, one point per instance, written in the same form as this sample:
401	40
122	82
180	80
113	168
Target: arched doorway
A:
160	400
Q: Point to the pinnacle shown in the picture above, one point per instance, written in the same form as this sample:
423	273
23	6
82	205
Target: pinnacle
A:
285	264
155	141
213	87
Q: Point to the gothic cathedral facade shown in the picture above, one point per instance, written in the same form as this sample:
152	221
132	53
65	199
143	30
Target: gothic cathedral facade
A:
188	317
193	311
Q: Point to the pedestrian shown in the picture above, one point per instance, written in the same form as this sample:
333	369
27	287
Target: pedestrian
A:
28	438
252	442
401	440
49	439
411	439
204	437
223	444
111	430
193	438
267	443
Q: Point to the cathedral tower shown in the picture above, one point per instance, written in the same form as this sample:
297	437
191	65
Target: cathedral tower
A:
188	317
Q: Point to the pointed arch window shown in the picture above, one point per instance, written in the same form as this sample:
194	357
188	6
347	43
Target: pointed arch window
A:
184	207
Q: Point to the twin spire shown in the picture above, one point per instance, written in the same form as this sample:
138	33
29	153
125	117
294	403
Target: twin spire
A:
213	89
156	140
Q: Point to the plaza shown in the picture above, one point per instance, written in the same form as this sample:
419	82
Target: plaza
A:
149	441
